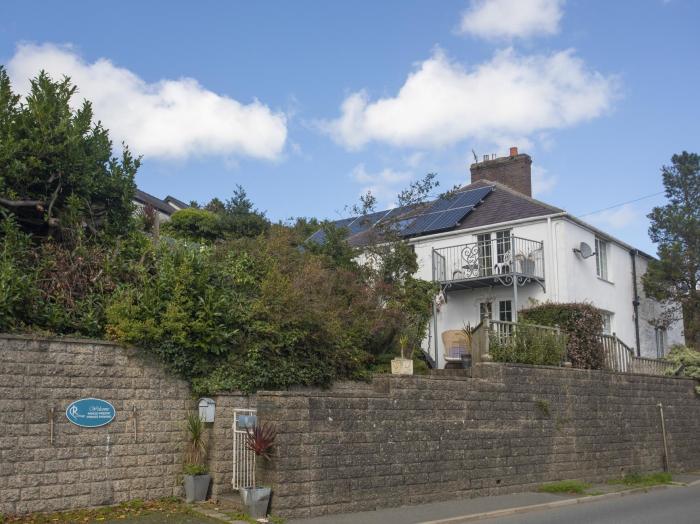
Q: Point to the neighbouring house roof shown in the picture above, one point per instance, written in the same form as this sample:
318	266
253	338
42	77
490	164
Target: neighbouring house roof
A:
175	202
502	204
163	206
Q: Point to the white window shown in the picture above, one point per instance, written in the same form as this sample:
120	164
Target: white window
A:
601	258
607	323
660	341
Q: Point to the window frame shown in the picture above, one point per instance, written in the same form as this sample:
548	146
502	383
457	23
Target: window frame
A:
602	258
505	311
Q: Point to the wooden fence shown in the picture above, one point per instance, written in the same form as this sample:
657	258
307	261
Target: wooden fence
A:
618	356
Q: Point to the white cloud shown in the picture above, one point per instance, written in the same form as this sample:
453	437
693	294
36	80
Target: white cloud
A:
542	182
384	185
493	19
616	218
169	118
442	103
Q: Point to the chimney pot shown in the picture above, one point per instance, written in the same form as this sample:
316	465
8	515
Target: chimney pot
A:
513	151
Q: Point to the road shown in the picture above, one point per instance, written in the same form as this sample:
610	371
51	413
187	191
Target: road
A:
674	505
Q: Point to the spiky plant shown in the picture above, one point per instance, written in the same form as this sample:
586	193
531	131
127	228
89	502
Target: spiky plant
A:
196	448
260	439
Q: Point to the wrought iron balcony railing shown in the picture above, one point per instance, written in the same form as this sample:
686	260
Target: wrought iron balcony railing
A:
497	260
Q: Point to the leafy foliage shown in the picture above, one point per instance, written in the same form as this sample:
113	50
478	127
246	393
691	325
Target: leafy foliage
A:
687	360
582	323
57	173
675	227
527	344
198	225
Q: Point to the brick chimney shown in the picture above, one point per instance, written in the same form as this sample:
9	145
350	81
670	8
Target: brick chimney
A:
512	171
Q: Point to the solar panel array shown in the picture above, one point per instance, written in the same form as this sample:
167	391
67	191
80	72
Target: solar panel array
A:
447	212
441	215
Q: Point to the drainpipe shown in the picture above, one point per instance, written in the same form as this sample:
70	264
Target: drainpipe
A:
635	302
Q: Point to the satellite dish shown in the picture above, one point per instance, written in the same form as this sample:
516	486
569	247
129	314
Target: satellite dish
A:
584	251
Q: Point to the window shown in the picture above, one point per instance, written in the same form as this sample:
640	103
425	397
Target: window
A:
660	333
601	258
503	255
607	323
485	259
485	311
505	311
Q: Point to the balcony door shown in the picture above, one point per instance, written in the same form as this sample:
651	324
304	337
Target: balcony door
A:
497	242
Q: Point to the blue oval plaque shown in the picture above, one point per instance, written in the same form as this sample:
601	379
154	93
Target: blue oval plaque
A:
90	412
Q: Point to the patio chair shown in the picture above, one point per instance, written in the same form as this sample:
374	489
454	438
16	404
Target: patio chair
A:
457	350
501	268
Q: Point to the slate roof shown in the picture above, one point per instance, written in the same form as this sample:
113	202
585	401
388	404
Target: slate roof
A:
161	205
503	204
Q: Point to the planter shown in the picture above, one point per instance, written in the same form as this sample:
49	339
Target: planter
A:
256	501
196	487
402	366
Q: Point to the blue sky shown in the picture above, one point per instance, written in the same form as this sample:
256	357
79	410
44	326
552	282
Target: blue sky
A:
307	104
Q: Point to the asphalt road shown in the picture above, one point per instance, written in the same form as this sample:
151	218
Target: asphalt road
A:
674	505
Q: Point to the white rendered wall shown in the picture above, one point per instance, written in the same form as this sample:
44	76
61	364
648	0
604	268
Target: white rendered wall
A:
568	278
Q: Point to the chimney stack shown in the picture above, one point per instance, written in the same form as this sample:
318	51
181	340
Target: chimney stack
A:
513	171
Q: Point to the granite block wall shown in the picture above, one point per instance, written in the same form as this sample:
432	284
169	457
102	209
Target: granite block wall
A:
86	466
507	428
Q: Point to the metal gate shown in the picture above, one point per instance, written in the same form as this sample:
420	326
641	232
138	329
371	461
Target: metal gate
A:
243	458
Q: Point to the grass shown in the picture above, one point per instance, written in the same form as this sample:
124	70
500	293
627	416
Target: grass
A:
636	480
169	509
571	487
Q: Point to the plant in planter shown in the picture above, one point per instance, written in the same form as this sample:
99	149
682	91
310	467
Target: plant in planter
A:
403	365
196	476
259	440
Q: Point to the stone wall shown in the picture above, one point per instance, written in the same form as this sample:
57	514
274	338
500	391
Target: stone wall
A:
86	466
409	440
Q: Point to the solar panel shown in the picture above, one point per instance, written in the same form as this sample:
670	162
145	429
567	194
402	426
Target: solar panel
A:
364	222
447	212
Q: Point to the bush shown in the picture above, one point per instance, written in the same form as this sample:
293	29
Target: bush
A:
198	225
528	345
18	279
687	360
583	324
260	313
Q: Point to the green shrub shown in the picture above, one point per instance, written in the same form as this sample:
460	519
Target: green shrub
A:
686	360
195	469
583	324
18	279
198	225
528	345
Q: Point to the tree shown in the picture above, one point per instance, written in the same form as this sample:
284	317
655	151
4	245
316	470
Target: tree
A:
239	218
674	278
57	172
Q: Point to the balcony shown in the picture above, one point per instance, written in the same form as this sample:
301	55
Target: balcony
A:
501	261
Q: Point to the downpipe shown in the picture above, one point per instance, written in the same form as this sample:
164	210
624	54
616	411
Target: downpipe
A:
663	433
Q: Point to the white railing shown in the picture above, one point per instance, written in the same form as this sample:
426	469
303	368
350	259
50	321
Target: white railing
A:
243	458
489	258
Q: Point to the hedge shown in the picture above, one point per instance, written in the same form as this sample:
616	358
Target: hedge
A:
582	322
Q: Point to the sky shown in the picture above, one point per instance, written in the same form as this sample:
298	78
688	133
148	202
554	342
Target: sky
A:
309	104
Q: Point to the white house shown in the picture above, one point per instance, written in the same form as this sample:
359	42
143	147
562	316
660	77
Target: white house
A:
495	250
